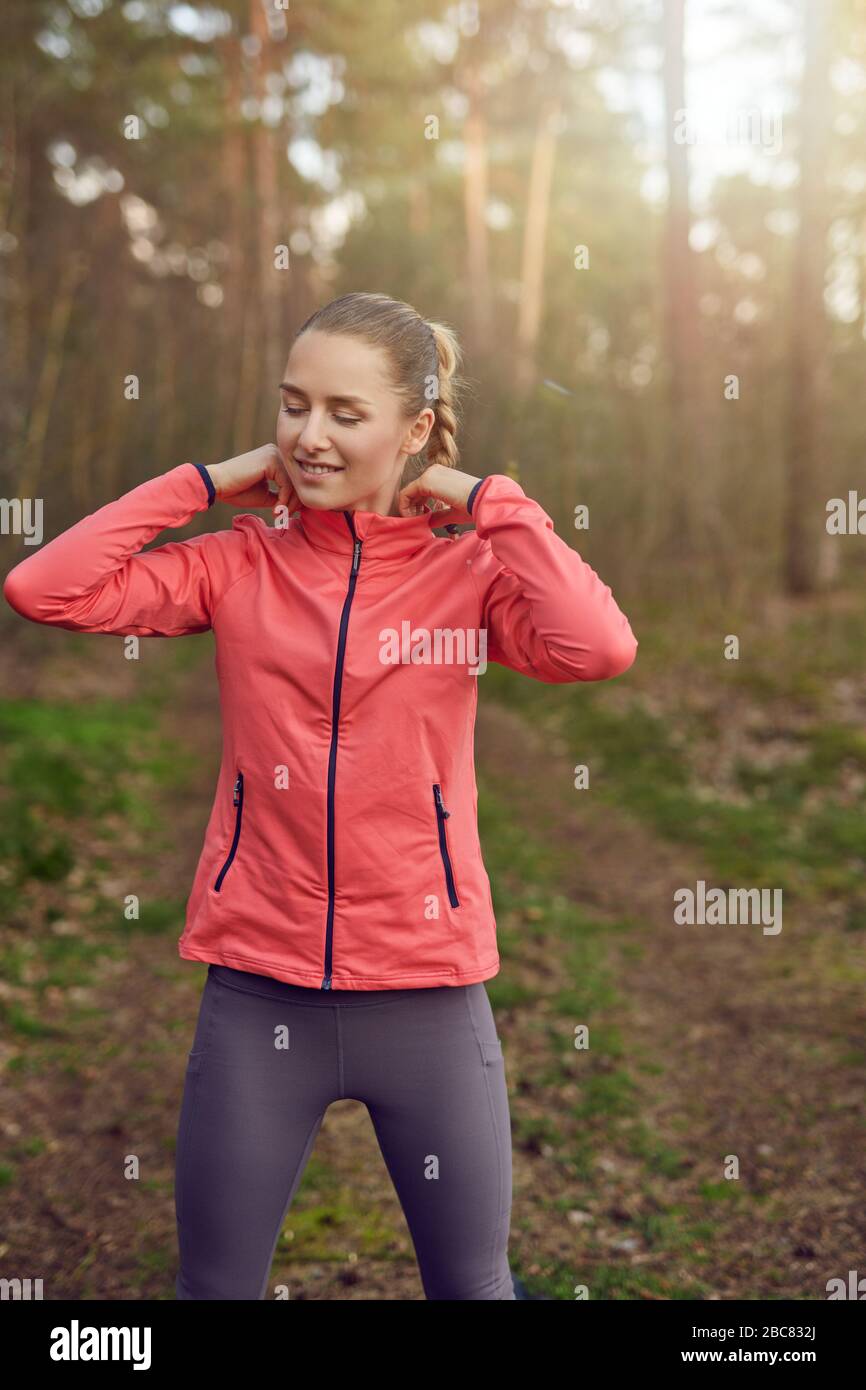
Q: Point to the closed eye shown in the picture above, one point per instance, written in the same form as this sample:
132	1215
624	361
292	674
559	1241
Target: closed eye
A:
298	410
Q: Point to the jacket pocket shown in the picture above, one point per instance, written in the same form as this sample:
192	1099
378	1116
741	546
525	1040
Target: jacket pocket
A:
441	817
238	802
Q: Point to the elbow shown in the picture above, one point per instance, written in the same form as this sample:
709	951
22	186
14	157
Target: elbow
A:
619	657
604	663
600	663
15	592
21	595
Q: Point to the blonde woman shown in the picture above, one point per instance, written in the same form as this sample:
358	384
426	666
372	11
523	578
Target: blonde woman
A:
340	899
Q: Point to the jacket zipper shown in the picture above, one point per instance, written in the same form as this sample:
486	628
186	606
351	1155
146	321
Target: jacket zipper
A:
441	817
332	759
237	800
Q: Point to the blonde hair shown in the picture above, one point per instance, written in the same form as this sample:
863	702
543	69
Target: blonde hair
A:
422	358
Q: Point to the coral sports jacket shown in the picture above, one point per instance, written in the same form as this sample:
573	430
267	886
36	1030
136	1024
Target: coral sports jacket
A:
342	846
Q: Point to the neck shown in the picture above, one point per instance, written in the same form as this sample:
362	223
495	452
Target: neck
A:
383	501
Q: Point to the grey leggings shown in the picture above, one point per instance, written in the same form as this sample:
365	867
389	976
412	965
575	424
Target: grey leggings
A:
266	1062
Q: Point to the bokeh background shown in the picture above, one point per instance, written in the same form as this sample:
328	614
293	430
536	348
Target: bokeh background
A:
647	224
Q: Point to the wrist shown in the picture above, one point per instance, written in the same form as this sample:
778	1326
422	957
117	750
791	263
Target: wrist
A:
472	494
460	487
217	474
206	475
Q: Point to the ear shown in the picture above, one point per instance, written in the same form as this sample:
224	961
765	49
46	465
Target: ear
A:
420	431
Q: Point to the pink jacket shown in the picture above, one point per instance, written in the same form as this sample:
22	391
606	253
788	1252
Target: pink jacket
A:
342	846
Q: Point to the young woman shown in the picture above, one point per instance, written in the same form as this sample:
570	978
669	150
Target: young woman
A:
340	897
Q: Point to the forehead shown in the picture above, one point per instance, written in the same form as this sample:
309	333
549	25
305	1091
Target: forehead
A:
331	365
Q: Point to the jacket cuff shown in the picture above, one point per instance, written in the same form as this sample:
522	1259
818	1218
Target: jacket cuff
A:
497	483
471	498
208	482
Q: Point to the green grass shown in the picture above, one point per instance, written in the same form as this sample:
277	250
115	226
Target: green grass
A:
67	771
608	1116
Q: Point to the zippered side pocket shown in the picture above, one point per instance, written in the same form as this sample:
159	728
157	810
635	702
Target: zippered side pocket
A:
238	802
441	817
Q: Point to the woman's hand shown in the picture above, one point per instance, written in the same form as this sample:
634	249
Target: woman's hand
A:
243	481
438	484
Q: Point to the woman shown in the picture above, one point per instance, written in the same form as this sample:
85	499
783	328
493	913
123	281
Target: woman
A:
340	897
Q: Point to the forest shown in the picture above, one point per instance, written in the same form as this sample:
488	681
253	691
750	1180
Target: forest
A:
645	220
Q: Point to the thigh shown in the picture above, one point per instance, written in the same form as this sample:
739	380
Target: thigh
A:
260	1075
435	1087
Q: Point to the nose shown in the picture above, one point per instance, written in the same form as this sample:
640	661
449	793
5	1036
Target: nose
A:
312	438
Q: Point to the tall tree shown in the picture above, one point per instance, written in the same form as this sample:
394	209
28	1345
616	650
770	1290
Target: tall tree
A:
475	192
803	510
678	288
268	30
535	239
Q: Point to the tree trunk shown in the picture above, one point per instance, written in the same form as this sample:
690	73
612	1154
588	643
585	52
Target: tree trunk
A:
534	241
680	305
235	272
16	282
74	271
273	231
475	203
805	533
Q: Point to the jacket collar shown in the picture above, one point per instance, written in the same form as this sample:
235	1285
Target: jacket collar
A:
382	537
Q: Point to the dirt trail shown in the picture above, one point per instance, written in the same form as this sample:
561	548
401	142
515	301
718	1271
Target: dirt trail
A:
755	1034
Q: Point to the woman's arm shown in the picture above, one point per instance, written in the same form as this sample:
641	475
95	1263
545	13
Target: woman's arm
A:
90	578
546	611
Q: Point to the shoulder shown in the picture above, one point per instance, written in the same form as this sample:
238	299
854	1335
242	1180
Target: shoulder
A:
231	552
232	545
253	527
250	534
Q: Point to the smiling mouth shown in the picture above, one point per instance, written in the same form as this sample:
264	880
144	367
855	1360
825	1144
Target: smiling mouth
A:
315	470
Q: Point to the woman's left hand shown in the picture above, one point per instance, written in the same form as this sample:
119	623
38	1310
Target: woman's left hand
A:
443	485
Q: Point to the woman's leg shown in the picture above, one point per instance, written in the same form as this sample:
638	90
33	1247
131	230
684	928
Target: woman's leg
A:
429	1066
250	1114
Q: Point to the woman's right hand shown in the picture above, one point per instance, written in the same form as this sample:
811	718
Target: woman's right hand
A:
243	481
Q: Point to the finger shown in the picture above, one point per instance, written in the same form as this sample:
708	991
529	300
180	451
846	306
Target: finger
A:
259	495
451	516
288	498
410	506
413	498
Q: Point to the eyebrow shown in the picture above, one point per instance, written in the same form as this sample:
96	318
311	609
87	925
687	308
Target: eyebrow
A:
344	400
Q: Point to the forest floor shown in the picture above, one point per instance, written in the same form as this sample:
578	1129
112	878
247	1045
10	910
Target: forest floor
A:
712	1049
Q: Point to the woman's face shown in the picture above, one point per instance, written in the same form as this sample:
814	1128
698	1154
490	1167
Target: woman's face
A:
337	410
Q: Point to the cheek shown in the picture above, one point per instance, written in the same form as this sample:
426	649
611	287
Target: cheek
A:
286	434
371	449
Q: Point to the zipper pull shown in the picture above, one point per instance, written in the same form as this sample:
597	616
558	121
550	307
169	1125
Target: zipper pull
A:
437	792
237	794
356	557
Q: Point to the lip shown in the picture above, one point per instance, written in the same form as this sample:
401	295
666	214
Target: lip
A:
315	477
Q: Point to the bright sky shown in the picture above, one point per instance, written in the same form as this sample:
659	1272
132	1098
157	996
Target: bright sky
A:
737	91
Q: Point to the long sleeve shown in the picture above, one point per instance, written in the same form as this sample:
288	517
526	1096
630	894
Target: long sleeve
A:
90	578
546	612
